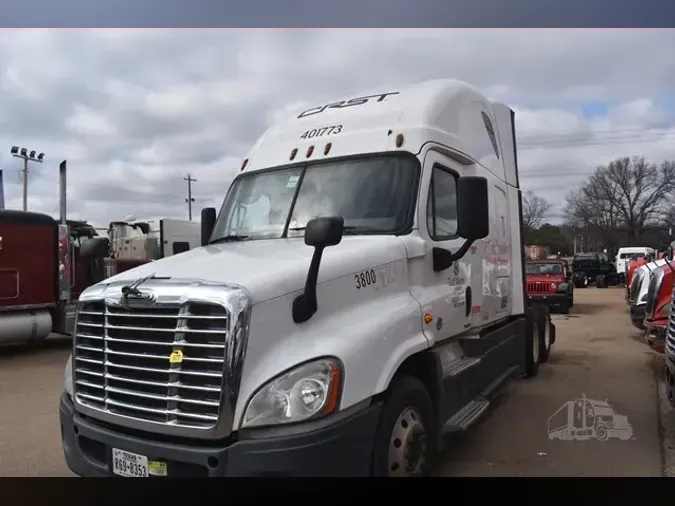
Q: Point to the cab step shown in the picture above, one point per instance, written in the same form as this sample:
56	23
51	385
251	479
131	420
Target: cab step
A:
456	367
466	416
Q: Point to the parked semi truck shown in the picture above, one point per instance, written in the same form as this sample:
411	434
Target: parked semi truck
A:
45	264
639	288
360	294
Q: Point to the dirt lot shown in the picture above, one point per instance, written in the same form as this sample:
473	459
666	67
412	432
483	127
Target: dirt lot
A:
597	353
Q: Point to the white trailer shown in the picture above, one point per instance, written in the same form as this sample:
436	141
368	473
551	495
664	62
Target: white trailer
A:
360	294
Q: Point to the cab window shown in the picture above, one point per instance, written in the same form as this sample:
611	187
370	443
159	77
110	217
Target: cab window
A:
442	204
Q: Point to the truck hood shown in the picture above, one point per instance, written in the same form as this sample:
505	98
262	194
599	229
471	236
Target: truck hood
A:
271	268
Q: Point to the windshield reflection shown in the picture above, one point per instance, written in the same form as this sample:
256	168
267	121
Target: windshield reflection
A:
372	194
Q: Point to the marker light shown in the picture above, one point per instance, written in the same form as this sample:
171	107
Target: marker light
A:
327	148
310	150
243	164
294	152
399	140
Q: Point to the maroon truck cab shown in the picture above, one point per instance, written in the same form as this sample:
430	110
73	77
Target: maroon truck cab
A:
548	282
29	275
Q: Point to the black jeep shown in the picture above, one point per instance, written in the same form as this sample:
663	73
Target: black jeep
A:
593	268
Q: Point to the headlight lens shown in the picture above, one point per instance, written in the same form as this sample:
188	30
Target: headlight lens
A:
554	286
68	376
308	391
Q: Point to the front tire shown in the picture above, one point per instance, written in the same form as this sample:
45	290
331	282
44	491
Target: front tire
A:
406	435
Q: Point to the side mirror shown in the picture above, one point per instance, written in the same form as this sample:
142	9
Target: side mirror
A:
324	232
319	233
208	223
473	218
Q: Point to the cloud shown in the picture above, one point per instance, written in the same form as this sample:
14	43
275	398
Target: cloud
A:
134	111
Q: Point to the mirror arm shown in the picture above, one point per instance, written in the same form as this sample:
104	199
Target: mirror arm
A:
305	304
462	250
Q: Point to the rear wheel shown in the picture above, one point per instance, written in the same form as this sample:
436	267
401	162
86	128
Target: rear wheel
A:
543	319
533	343
406	435
565	306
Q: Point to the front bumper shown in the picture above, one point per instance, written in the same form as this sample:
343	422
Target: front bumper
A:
551	299
637	316
341	448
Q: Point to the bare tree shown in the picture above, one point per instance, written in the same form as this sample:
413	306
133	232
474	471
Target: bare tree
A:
626	197
535	210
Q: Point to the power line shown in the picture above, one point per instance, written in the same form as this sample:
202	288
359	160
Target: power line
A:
189	198
601	142
595	132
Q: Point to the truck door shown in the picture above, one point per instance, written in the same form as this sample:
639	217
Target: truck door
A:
446	295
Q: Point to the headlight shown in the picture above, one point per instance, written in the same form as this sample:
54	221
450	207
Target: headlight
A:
644	297
554	286
665	309
308	391
68	377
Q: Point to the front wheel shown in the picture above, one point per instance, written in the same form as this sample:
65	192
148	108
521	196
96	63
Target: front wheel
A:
406	435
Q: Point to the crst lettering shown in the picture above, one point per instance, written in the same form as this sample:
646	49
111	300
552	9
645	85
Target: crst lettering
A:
346	103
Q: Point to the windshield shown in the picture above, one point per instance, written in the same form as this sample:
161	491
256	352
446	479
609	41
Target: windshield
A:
631	256
586	256
373	195
543	268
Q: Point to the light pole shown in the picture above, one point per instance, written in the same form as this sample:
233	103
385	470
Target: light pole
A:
25	156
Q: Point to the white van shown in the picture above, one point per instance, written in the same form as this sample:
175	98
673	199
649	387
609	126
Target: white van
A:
625	255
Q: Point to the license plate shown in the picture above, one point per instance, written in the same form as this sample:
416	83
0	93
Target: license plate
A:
133	465
130	465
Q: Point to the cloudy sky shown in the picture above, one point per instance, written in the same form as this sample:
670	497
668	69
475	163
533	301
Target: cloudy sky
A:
135	111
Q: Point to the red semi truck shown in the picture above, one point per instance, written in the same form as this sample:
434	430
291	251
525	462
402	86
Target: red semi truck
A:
45	264
659	298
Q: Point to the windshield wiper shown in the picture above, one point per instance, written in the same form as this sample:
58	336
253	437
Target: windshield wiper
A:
229	238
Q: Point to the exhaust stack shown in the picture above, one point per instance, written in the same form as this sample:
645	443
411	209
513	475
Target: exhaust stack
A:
62	192
2	192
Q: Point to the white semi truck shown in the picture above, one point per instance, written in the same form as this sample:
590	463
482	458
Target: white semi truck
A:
359	295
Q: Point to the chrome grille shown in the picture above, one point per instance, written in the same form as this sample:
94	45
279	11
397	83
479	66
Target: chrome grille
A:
121	361
670	331
652	292
635	285
535	287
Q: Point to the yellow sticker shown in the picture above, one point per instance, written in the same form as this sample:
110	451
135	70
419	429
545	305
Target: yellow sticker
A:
176	357
157	468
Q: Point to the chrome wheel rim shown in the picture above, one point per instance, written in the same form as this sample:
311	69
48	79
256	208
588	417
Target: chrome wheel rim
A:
407	445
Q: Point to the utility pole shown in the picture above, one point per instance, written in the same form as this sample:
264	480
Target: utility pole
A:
189	198
25	156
